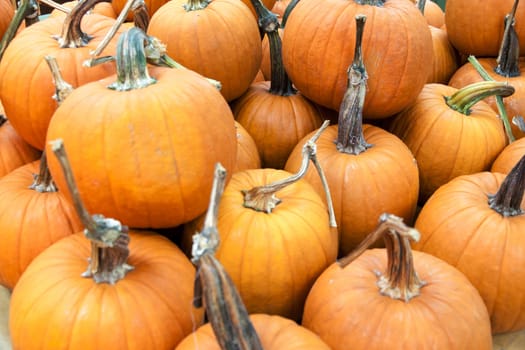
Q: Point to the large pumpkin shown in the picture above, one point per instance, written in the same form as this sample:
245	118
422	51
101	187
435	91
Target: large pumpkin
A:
147	145
318	46
26	84
476	223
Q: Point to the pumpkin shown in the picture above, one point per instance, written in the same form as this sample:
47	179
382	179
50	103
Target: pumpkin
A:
273	112
392	298
151	5
6	15
15	151
451	132
507	67
33	216
445	62
370	169
101	8
135	292
279	7
247	153
475	27
230	325
26	85
509	157
218	39
164	110
397	47
434	14
475	223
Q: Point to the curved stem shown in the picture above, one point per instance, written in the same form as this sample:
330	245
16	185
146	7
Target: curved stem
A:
26	8
421	6
263	198
280	84
43	182
62	88
499	100
109	239
140	15
72	34
400	281
507	201
350	138
509	52
463	99
287	12
132	68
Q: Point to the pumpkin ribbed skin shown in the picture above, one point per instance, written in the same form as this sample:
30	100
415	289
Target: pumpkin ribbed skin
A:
346	309
475	27
458	226
247	153
26	84
382	179
30	220
151	5
273	259
6	14
509	157
276	123
15	151
275	332
220	41
446	59
150	308
445	142
318	47
146	156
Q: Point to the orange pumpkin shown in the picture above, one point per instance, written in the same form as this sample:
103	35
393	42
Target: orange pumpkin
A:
218	39
449	135
318	45
26	85
180	139
476	223
15	151
509	157
390	299
446	58
247	153
475	27
6	15
369	170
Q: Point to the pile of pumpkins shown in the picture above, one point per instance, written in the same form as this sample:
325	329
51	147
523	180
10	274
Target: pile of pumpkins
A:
117	114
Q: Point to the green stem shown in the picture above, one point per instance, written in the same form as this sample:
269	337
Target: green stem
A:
194	5
26	8
509	53
350	137
400	281
499	100
421	6
287	12
507	201
379	3
132	66
463	99
281	84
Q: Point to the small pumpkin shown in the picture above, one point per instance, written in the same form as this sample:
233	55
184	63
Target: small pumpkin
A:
247	153
391	298
509	157
476	223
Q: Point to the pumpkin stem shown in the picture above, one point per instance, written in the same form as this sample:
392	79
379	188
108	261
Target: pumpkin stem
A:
213	286
379	3
56	6
421	6
43	182
26	9
400	281
132	67
507	201
287	12
72	35
350	138
141	21
499	100
280	84
62	88
263	198
194	5
509	52
463	99
109	239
